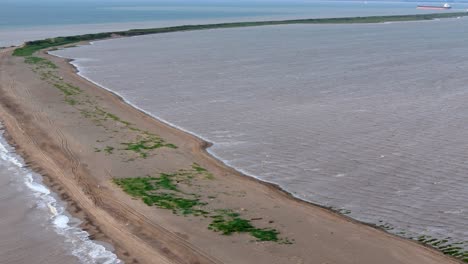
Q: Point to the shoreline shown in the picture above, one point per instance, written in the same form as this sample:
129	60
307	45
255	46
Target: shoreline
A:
32	46
200	149
59	219
205	144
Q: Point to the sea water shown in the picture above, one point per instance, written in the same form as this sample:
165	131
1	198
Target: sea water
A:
368	119
34	225
22	20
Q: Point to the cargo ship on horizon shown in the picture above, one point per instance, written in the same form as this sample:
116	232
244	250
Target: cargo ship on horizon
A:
431	7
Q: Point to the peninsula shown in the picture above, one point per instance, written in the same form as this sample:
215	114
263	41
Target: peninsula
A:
153	192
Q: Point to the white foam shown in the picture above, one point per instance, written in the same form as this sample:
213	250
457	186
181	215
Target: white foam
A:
36	187
86	250
61	221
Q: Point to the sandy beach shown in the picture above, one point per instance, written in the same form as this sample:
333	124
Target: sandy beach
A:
74	134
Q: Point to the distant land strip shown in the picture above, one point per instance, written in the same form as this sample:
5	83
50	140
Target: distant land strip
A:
32	46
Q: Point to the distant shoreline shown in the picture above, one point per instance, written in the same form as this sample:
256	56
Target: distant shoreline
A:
32	46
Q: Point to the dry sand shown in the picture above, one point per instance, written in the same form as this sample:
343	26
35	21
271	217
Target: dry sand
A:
59	141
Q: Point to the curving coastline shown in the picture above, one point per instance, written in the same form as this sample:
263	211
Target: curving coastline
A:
32	46
18	123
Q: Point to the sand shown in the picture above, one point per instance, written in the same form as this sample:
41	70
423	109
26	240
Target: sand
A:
57	140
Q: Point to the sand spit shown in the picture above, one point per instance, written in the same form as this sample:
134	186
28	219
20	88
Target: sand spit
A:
73	135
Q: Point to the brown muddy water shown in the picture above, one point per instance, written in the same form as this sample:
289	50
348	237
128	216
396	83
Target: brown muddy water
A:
371	120
34	226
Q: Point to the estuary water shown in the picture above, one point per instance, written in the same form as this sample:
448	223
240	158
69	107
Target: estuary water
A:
368	119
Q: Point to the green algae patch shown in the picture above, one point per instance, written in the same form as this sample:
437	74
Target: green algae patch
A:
71	101
202	171
166	181
454	249
168	191
108	149
146	143
67	89
265	234
198	168
47	71
228	222
117	119
104	115
162	192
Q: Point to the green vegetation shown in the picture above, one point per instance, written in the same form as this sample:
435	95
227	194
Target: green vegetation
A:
385	226
147	142
144	142
202	171
70	101
67	89
117	119
267	234
451	249
32	46
99	115
198	168
165	182
40	62
108	149
228	222
45	69
162	192
166	191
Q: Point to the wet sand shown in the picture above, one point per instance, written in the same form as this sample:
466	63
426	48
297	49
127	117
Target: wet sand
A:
60	143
